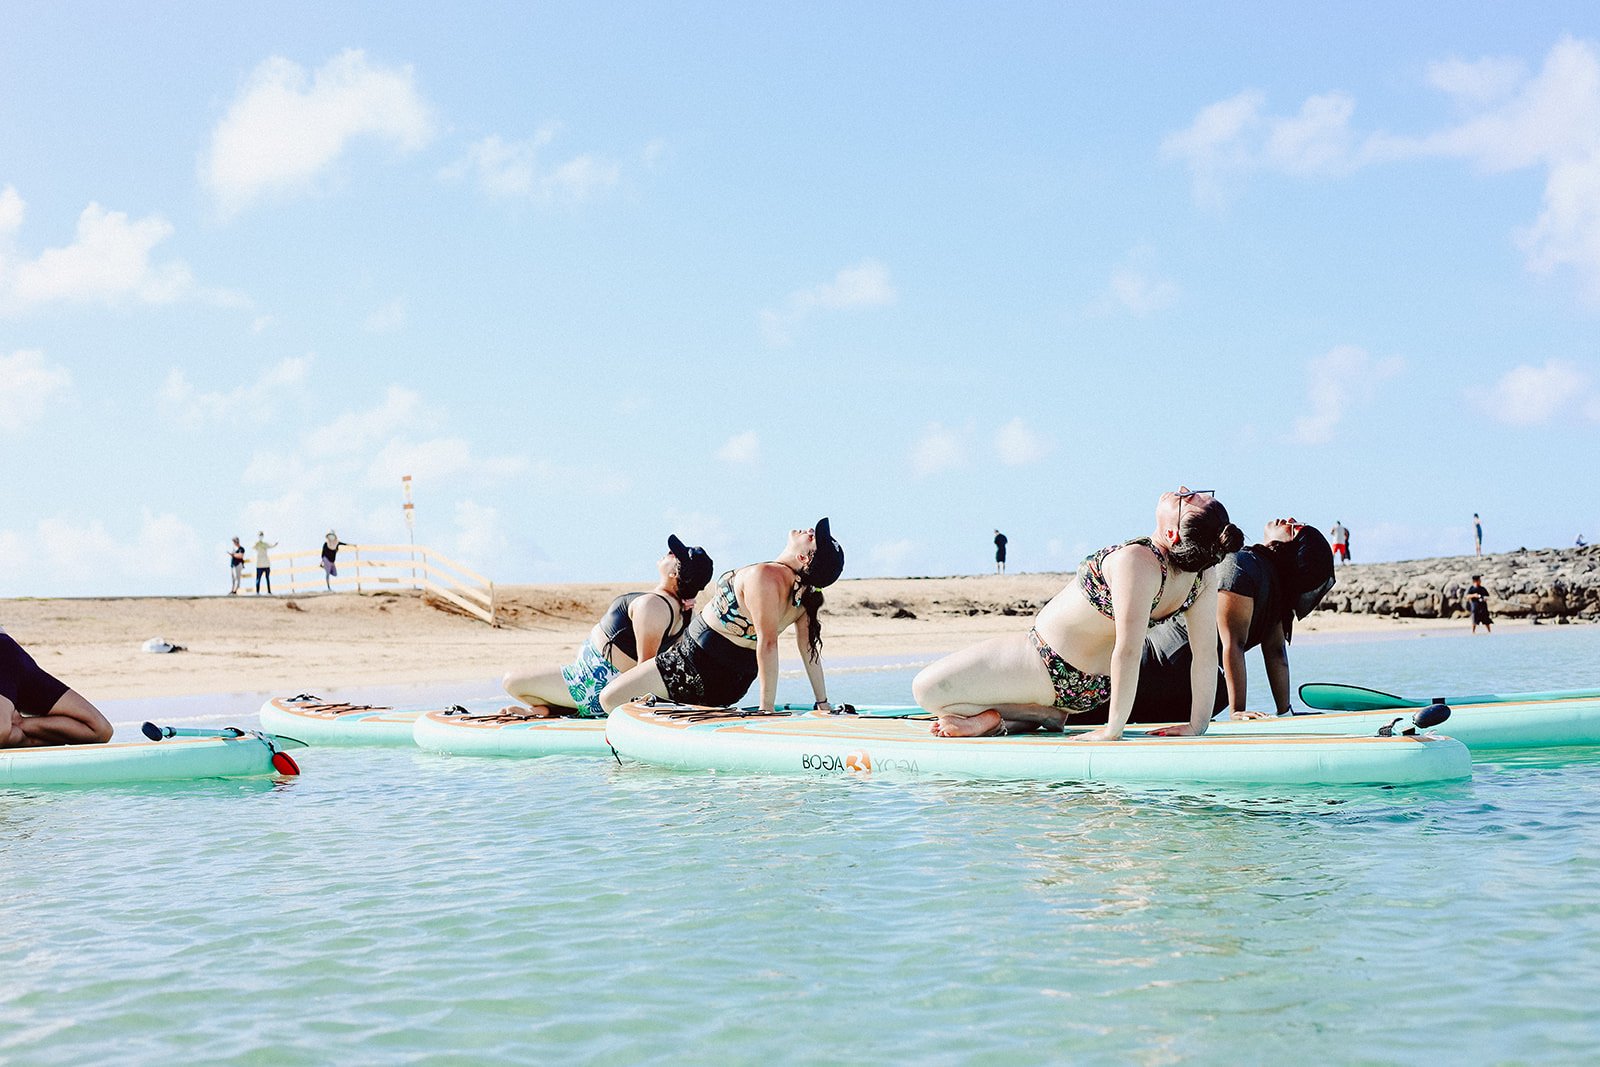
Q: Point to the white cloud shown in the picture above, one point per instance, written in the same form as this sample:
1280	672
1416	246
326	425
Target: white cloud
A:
255	401
1017	444
892	557
287	125
865	285
1135	288
480	537
1528	395
439	459
355	431
939	449
742	448
1479	82
108	262
28	385
160	547
513	169
699	528
386	319
1233	136
12	210
1338	381
1511	121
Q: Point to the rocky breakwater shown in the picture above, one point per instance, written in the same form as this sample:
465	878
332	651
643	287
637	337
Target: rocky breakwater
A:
1562	584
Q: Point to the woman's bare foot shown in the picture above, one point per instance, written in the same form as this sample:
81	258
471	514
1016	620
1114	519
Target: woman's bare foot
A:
983	724
535	711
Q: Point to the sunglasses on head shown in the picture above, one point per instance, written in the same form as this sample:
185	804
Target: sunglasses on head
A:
1185	495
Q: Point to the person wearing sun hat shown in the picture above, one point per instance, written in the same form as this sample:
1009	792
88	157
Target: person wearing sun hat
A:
634	628
733	642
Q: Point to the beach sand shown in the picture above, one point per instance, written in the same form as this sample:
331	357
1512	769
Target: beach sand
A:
305	643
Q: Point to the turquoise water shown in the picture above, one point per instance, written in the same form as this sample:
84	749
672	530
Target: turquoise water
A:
396	907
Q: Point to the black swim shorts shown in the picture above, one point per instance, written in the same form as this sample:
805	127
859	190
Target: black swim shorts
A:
704	667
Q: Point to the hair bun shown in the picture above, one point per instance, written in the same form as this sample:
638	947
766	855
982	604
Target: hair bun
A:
1231	539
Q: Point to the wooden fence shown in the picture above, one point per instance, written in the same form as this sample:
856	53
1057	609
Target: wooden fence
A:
373	568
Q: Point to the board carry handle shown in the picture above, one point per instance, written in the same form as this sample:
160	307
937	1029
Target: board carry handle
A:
1429	717
161	733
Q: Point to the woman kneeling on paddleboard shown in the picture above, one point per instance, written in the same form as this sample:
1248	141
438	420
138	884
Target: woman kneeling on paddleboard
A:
1261	590
39	709
734	639
634	628
1083	650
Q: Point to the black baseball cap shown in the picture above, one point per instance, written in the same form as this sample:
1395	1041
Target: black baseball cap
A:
828	563
694	567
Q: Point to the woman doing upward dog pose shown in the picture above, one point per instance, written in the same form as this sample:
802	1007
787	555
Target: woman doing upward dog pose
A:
1084	648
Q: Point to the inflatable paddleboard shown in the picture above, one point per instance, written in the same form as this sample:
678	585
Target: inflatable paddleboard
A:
320	722
720	739
460	733
1487	721
248	755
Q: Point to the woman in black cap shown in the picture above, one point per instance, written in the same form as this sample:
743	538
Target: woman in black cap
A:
734	639
1261	591
634	628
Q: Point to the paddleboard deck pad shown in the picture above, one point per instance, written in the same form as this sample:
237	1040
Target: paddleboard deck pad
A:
324	722
459	732
862	746
249	755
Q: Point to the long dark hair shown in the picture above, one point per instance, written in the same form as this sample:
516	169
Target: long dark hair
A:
1204	536
811	600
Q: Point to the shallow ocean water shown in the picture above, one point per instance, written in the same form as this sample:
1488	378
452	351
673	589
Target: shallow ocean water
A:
397	907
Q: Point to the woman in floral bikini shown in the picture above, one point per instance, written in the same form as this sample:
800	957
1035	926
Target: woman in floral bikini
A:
1084	648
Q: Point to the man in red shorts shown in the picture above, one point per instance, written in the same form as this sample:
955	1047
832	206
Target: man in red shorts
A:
37	709
1340	537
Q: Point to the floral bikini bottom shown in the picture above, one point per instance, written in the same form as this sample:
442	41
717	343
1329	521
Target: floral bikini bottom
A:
1075	690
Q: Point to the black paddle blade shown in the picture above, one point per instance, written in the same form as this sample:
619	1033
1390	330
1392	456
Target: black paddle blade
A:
1432	715
151	730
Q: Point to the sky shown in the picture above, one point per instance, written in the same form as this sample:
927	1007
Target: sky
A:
594	273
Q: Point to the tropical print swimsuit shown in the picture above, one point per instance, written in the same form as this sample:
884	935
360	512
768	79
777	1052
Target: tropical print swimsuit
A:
1077	690
737	626
586	677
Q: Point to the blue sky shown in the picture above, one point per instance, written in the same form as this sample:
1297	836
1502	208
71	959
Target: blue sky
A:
592	273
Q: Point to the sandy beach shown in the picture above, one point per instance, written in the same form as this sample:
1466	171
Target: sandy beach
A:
271	644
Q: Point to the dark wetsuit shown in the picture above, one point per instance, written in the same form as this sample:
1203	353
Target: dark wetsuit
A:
30	687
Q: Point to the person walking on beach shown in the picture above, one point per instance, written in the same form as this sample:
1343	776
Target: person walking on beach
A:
236	565
1261	590
1341	541
999	552
634	629
1477	535
38	709
1082	653
330	554
263	561
1478	605
734	640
